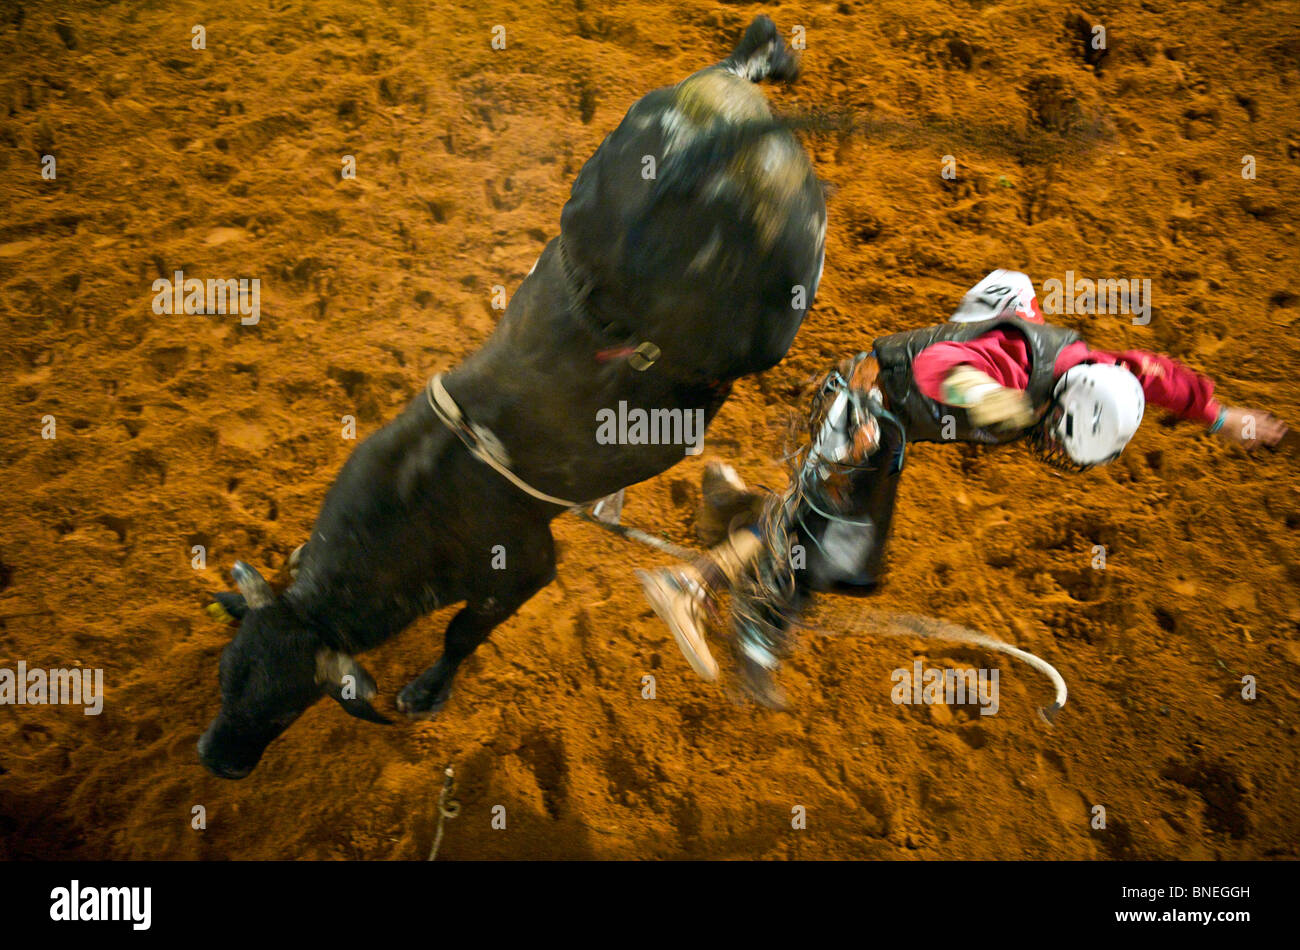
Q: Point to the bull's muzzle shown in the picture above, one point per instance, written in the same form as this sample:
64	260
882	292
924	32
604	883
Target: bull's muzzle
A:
224	759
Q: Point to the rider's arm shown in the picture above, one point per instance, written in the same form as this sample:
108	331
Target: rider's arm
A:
986	376
1182	391
1001	356
1166	382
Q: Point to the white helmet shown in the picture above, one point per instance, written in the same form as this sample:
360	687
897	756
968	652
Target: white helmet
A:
1097	408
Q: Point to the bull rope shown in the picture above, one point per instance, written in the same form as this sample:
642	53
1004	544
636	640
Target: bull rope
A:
481	441
448	807
884	623
636	534
889	624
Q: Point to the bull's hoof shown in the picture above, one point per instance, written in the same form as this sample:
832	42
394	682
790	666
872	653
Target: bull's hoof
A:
419	702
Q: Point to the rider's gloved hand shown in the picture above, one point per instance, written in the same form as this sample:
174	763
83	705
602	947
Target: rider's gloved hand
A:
988	403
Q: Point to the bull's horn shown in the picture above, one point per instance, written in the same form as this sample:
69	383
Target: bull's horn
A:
257	592
348	682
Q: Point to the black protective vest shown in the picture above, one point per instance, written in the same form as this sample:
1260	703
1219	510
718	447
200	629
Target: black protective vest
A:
922	416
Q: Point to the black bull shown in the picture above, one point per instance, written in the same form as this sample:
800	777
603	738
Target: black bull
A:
697	228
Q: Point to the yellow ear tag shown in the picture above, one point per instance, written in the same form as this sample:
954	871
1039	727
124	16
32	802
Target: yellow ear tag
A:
218	613
643	357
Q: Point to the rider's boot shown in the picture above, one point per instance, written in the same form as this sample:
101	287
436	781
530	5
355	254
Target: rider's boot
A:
683	597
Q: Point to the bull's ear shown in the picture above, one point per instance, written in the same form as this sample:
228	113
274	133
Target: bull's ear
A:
257	592
343	678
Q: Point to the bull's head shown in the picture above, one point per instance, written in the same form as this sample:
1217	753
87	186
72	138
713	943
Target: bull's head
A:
274	669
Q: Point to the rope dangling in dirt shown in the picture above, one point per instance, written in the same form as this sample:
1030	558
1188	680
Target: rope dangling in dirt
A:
448	807
771	589
931	628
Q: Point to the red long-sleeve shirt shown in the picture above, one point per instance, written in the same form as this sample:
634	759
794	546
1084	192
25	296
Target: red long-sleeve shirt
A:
1004	356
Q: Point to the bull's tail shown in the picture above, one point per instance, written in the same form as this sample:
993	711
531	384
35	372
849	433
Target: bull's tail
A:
762	54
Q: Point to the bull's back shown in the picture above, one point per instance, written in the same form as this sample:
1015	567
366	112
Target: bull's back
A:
693	224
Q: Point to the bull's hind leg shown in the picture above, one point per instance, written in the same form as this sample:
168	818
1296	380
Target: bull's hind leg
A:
425	695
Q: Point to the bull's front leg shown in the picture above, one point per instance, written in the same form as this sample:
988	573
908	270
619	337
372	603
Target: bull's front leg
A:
428	693
425	695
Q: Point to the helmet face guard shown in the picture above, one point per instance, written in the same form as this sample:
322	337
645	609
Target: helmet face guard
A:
1095	410
1045	446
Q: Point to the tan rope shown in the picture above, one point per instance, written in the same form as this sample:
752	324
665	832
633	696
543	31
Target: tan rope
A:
445	408
448	807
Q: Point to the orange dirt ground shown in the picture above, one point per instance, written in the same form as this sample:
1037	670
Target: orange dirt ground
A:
183	430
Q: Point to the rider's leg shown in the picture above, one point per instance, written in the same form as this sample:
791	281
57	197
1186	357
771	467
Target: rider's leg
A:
882	513
848	551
